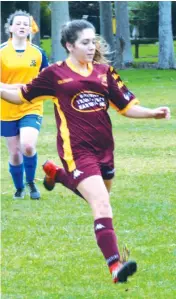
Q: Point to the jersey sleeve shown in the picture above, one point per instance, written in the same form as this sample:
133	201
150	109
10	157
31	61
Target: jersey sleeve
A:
40	88
120	97
44	63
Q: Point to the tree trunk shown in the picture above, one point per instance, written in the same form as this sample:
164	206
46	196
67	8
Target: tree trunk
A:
118	41
106	24
34	10
166	46
59	16
124	51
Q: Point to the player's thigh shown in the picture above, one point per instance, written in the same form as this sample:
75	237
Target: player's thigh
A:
29	127
13	144
95	192
108	184
10	131
28	135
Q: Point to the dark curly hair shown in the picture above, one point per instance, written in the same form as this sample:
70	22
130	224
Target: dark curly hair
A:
69	33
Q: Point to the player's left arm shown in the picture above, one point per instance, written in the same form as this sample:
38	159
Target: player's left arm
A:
142	112
120	97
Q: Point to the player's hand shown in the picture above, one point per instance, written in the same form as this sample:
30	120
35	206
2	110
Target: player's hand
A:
161	112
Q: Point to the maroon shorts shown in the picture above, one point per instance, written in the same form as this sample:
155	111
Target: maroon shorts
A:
89	164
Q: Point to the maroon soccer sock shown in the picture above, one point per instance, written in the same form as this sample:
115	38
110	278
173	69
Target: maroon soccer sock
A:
63	178
106	240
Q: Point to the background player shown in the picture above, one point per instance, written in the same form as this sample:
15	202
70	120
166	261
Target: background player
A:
21	61
82	91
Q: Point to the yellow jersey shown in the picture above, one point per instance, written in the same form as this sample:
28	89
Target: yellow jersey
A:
20	67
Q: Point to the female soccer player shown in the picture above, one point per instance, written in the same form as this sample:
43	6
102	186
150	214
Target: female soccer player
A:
21	61
82	91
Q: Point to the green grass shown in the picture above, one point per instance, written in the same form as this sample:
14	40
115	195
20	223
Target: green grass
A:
46	45
147	53
48	246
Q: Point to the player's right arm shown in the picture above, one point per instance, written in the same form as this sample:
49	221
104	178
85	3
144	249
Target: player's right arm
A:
11	96
39	89
10	86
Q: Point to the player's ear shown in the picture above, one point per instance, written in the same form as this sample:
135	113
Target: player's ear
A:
69	47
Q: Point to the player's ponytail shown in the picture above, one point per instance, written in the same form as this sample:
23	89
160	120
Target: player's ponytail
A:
69	33
102	50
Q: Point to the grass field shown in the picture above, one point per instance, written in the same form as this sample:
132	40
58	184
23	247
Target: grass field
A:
48	246
147	53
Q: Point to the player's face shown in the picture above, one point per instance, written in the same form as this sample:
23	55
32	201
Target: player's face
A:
84	47
20	27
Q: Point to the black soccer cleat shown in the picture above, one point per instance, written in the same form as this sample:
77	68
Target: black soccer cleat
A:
34	192
120	272
19	194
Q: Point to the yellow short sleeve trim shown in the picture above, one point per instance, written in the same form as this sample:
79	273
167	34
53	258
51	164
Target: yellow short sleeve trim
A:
133	102
123	111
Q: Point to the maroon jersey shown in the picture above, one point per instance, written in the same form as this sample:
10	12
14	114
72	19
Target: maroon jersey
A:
81	104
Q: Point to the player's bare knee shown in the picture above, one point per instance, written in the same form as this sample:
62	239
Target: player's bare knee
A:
27	149
105	209
102	208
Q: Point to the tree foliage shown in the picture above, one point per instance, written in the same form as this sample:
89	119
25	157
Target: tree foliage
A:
45	20
78	9
146	15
